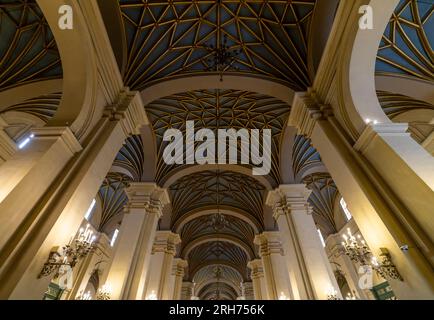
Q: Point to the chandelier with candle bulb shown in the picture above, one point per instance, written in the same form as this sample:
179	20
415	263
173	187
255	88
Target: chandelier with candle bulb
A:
104	293
70	254
84	296
358	251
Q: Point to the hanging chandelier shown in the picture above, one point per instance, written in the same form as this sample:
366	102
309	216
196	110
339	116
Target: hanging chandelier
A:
222	57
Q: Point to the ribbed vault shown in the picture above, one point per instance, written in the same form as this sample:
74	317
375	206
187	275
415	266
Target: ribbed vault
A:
167	39
418	114
218	109
212	282
217	189
407	44
220	253
28	51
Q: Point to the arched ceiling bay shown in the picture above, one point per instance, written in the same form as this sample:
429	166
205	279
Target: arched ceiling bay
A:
220	253
218	109
217	225
170	38
407	44
213	278
28	51
217	189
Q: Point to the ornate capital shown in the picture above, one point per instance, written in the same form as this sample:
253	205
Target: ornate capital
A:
256	267
306	110
269	243
179	266
287	198
148	196
129	110
166	241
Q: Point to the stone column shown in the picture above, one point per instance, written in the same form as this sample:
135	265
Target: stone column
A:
258	281
309	264
380	215
180	266
274	264
163	252
128	271
28	174
49	221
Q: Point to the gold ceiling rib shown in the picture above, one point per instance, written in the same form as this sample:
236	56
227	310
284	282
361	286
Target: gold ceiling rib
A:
31	53
167	39
405	45
214	109
322	200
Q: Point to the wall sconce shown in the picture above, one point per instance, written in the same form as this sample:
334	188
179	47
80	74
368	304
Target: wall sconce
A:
104	293
386	268
70	253
360	253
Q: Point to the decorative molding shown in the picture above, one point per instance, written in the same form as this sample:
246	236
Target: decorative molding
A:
372	131
53	133
148	196
269	243
165	241
129	110
288	198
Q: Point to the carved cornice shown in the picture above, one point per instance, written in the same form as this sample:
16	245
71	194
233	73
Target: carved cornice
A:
54	133
147	196
129	110
372	131
257	269
165	241
306	110
289	198
269	243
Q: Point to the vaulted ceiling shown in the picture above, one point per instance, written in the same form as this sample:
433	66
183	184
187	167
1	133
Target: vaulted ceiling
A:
171	39
218	109
168	39
407	44
28	51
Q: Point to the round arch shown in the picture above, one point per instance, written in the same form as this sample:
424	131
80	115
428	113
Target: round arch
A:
187	170
231	82
79	68
358	71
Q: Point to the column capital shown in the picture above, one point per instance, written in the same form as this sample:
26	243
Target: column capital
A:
166	241
179	266
128	109
257	268
147	195
287	198
269	242
306	110
373	131
54	133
